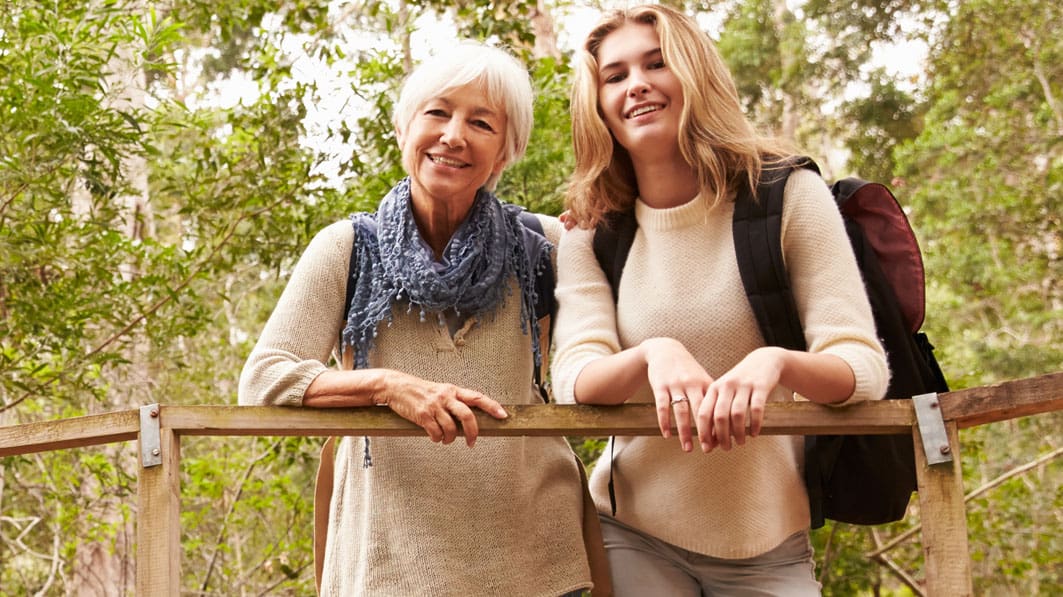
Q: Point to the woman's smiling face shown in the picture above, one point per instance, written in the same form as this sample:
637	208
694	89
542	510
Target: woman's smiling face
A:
453	144
640	98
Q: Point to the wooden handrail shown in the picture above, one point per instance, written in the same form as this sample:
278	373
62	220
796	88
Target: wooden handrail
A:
75	432
795	418
968	408
158	521
1004	401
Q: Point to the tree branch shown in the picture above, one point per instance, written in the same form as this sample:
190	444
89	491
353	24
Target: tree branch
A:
970	496
232	506
159	304
893	567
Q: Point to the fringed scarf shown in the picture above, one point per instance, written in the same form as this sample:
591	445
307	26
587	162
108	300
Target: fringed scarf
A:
472	278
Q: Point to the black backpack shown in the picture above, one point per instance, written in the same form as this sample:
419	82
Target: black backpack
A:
860	479
544	289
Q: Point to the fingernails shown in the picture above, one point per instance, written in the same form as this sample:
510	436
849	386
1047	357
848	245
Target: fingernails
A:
705	447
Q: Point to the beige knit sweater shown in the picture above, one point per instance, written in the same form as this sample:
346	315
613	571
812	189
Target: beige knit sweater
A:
502	518
681	280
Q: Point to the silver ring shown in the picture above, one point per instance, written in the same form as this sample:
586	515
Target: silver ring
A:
678	399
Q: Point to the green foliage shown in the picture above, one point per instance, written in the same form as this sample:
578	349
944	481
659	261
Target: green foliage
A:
888	116
538	181
988	166
751	45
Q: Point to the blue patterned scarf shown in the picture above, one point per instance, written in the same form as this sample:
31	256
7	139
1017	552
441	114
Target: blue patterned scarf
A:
472	278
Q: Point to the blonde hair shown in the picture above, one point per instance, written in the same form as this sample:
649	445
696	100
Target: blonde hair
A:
504	80
715	137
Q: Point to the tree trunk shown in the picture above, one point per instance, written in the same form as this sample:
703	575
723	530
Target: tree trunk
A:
105	567
545	33
789	119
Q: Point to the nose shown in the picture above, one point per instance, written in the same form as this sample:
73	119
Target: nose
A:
453	134
637	83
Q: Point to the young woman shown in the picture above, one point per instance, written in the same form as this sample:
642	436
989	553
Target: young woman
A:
659	130
440	325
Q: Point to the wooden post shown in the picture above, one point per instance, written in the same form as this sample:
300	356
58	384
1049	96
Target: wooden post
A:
158	521
944	519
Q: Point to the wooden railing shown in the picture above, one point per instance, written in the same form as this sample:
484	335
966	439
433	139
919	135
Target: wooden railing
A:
159	428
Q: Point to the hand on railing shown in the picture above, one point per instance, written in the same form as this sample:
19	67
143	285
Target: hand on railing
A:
438	408
443	410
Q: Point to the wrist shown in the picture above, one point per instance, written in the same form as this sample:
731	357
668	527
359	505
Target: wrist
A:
651	347
377	383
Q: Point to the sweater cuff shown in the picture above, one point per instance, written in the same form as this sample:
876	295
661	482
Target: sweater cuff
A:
565	387
870	372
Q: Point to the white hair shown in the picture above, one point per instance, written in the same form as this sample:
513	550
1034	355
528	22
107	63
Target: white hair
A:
504	79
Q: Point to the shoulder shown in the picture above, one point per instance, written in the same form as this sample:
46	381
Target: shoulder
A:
340	232
803	181
807	192
331	243
552	228
577	243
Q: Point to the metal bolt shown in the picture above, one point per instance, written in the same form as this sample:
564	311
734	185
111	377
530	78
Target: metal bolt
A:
934	404
945	449
155	451
154	413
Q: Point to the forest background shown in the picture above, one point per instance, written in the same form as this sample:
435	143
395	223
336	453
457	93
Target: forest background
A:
149	219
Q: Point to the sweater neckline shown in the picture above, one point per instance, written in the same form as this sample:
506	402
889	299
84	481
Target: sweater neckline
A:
691	213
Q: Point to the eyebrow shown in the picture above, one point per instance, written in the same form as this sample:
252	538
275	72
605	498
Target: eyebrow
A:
652	53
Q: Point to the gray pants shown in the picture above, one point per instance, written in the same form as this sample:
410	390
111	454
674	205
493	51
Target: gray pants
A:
643	566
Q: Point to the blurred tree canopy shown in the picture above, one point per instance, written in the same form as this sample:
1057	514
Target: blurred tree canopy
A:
163	165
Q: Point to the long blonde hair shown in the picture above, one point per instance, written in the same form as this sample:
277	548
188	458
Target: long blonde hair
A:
715	137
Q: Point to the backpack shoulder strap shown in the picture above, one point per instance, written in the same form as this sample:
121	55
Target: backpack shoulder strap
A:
545	303
757	229
545	279
612	243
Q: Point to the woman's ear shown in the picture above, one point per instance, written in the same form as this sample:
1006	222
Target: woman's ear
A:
500	164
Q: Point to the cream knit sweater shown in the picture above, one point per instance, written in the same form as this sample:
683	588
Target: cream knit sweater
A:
681	281
502	518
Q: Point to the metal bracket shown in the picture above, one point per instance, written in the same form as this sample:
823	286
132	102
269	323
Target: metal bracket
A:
932	428
150	441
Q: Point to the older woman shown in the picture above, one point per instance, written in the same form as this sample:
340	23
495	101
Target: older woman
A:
659	132
440	324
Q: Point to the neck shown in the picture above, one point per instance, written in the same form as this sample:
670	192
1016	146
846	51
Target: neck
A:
665	183
437	221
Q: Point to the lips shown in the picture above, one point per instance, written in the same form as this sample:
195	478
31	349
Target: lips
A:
445	161
643	109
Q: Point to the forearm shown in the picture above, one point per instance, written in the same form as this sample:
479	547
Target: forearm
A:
821	378
339	389
612	379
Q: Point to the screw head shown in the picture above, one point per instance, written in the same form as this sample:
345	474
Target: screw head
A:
154	412
945	449
155	452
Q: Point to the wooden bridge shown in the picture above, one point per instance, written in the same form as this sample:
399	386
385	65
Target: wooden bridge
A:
933	420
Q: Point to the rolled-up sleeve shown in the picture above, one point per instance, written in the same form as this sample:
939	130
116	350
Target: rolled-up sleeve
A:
303	329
